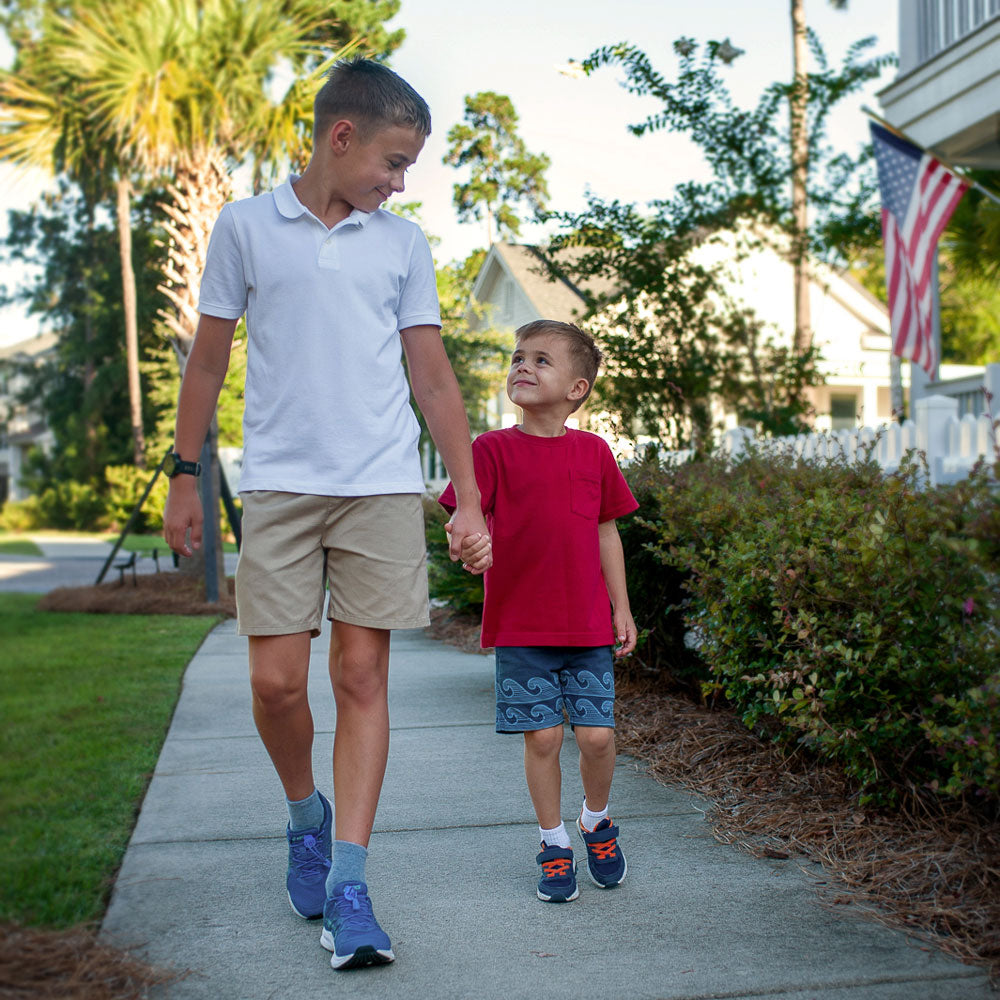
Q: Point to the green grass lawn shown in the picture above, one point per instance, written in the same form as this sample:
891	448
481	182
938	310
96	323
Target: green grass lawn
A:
85	702
17	545
146	543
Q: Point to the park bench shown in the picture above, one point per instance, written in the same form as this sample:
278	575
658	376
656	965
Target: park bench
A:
126	564
133	558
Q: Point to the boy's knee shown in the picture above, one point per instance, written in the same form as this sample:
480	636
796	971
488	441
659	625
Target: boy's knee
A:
358	682
544	741
594	739
275	688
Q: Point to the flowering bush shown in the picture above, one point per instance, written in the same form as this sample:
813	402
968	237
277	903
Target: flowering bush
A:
838	609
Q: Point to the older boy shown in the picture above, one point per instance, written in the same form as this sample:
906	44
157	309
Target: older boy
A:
334	290
556	600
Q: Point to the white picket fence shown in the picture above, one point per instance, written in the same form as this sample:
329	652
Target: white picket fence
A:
951	445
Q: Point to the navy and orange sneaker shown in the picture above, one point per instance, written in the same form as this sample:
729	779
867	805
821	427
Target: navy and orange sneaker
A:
558	881
605	860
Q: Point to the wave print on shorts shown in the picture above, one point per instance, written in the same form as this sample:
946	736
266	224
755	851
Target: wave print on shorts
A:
531	691
588	683
515	717
587	713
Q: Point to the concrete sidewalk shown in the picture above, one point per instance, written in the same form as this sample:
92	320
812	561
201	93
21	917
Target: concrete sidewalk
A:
452	871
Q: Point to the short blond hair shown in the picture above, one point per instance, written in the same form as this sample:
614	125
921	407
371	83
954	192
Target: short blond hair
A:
584	352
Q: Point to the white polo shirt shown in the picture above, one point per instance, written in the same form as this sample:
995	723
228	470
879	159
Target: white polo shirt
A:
327	401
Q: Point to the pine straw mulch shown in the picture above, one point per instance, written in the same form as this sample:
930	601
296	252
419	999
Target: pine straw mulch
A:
71	965
169	593
934	874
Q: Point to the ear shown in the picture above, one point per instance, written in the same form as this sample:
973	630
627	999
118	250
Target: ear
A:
340	135
578	389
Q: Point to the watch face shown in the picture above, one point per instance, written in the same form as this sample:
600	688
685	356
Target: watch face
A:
170	465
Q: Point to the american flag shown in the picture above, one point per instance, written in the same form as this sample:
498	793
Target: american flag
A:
918	197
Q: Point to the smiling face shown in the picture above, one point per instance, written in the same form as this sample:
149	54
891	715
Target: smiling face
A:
543	374
369	172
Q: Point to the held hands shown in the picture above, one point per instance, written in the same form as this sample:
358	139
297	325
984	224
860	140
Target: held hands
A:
625	633
475	550
183	511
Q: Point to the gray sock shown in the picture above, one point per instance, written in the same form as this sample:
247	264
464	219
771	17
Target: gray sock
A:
305	814
348	864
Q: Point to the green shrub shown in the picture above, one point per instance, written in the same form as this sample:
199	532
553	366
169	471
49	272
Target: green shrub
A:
845	611
656	586
20	515
71	506
126	484
447	581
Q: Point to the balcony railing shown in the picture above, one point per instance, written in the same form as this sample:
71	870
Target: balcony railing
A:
941	23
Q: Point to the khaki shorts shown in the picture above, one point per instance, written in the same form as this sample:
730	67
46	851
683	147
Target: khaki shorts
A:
370	552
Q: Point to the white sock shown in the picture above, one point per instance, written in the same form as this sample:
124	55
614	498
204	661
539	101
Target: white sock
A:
589	820
556	837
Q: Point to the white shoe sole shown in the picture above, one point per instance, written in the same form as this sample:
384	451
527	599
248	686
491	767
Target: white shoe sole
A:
365	955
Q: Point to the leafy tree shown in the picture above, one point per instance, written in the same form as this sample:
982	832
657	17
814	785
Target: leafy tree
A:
179	89
503	175
675	339
76	291
747	150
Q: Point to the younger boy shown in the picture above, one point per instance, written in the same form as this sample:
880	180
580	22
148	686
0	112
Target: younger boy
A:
555	600
334	290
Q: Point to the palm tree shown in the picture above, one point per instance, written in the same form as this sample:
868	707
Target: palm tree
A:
178	92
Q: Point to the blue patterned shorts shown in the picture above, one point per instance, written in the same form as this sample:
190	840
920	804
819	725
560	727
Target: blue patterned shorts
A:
535	683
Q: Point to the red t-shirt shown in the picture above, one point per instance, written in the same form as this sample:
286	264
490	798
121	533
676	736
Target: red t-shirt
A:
543	499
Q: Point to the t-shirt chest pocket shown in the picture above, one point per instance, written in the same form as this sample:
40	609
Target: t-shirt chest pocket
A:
585	494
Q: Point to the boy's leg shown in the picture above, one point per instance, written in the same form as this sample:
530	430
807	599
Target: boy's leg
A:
597	763
557	883
541	768
605	859
359	673
279	674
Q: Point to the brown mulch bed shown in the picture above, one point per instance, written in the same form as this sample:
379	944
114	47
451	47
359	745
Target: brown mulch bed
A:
152	594
930	872
71	965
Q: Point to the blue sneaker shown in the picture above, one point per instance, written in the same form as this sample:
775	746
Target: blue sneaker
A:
351	931
308	865
605	860
558	881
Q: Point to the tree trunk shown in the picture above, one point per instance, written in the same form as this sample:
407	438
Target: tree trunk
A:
798	105
200	189
131	319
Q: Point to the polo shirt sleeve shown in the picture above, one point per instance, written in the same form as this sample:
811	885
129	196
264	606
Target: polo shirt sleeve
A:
616	497
418	298
224	284
485	467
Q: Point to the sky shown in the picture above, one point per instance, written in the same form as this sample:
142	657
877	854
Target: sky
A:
453	50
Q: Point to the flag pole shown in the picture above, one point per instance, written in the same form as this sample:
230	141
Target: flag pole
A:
957	172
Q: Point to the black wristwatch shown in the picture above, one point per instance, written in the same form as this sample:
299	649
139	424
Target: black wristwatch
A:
174	465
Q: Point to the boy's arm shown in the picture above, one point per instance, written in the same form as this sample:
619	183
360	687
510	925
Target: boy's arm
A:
613	568
203	377
436	391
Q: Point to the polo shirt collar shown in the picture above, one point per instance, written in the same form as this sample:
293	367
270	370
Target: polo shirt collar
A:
288	204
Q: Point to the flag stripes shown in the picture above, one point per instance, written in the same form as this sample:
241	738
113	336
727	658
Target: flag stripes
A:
918	197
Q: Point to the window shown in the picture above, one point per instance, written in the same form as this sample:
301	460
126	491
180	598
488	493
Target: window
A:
843	412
